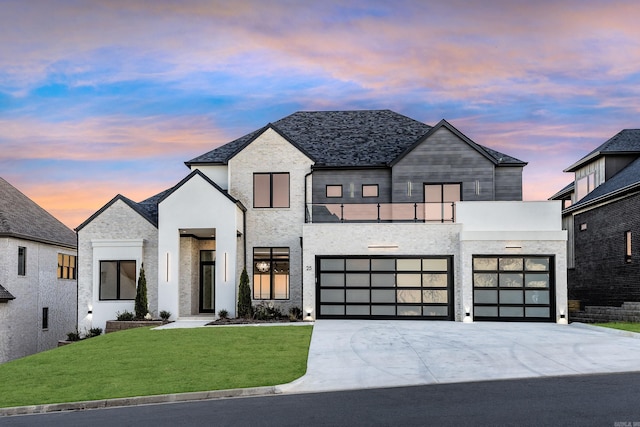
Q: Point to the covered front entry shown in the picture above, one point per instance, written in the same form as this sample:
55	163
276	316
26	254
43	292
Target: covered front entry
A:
515	288
384	287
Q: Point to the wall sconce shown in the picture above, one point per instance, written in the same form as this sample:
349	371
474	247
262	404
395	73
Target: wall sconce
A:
467	315
308	311
513	246
167	277
226	266
563	318
90	312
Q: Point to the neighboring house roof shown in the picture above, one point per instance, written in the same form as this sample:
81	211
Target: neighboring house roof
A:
626	180
148	208
22	218
566	190
5	295
361	138
627	141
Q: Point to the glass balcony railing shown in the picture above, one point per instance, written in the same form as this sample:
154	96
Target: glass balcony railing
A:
381	212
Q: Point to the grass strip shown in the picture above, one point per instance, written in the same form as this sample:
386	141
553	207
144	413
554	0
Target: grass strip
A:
625	326
143	362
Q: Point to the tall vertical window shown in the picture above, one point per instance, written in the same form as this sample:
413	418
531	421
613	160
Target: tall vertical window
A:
439	201
66	266
585	185
271	190
117	280
627	246
45	317
22	261
271	273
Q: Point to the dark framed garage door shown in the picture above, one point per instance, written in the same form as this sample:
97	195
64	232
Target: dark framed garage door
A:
513	288
384	287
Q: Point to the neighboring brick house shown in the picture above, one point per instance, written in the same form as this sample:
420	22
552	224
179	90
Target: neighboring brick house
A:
601	211
344	214
38	287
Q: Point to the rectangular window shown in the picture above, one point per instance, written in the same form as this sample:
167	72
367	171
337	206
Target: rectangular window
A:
271	190
22	261
627	246
439	201
45	317
370	190
334	190
585	185
271	273
66	266
117	280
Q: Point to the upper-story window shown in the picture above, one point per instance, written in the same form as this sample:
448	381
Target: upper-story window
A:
22	261
585	185
439	201
370	190
334	191
66	266
271	190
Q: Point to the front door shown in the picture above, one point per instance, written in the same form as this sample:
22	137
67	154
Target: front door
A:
207	281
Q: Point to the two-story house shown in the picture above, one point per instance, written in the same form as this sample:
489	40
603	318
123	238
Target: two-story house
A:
38	288
601	212
344	214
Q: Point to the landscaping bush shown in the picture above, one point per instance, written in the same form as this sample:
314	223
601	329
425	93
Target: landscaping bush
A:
295	313
266	312
142	305
244	296
125	315
93	332
73	336
223	314
165	315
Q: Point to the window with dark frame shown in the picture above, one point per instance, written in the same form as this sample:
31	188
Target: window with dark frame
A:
45	317
271	190
271	273
627	246
370	190
66	266
22	261
439	201
117	280
334	191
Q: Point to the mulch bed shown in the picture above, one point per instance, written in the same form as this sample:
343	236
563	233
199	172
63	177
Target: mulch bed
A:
243	321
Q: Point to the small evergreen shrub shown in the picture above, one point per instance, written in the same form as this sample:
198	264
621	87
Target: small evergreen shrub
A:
141	305
223	314
295	313
93	332
244	296
73	336
125	315
266	312
165	315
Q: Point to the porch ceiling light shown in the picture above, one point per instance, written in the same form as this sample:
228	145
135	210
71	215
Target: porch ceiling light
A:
262	266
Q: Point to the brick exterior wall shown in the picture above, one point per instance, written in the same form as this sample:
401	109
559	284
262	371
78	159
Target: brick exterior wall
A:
21	332
272	227
601	275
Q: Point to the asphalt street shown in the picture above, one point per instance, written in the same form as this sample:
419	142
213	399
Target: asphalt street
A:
582	400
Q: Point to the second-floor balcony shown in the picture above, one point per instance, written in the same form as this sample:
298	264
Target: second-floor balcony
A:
381	212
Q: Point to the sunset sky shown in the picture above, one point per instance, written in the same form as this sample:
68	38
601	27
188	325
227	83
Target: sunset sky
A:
105	97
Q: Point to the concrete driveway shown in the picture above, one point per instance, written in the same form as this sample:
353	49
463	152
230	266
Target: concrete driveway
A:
355	354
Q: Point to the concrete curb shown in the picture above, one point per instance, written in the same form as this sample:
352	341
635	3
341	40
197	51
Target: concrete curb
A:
139	400
610	331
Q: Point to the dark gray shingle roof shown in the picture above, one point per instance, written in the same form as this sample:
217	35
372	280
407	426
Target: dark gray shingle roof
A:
626	178
5	295
625	141
21	217
343	138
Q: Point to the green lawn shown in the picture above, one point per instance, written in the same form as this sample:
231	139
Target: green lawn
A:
141	362
625	326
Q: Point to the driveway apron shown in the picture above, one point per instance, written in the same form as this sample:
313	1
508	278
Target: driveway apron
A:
355	354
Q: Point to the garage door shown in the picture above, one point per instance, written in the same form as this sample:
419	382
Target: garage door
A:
513	288
384	287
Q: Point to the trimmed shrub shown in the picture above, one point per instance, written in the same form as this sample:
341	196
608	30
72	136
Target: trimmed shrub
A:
244	296
125	315
223	314
142	305
165	315
93	332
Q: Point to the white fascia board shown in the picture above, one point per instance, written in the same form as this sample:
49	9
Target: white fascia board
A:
110	243
560	235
